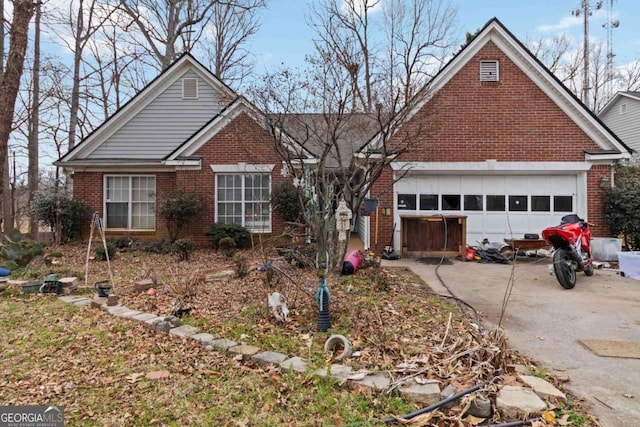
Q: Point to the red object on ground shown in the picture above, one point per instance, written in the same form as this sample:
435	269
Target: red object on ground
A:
471	254
151	291
352	262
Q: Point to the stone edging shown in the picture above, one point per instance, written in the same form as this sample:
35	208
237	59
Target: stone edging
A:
512	401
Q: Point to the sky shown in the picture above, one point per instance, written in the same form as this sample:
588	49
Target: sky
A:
285	37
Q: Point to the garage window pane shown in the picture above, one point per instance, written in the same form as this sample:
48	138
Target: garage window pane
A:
518	203
495	204
407	202
563	203
428	202
451	202
472	202
540	203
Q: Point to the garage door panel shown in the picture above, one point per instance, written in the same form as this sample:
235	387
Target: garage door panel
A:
494	184
450	185
497	225
472	185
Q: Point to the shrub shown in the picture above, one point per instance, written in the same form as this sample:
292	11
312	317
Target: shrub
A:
18	251
285	199
123	242
622	204
159	247
101	255
177	209
238	233
63	214
228	246
183	248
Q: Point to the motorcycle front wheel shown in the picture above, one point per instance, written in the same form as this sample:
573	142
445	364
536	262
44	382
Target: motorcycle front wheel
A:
564	269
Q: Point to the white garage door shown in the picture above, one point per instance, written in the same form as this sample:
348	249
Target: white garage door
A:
497	207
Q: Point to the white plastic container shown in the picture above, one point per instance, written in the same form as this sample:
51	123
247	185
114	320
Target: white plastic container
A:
606	248
630	264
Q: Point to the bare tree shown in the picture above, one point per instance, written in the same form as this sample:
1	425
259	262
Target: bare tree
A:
551	52
629	76
34	125
111	57
420	38
400	42
335	135
601	84
9	87
169	27
344	32
82	20
230	28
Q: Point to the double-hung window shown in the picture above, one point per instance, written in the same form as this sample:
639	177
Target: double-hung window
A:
130	202
243	199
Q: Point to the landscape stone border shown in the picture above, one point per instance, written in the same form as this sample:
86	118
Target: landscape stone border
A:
512	401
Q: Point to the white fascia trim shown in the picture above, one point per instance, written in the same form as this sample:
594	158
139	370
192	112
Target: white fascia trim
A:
129	169
184	163
490	166
609	157
242	168
300	163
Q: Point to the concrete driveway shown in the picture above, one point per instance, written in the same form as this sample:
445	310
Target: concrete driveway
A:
544	322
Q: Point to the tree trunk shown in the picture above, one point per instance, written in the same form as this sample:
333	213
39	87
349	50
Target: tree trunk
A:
34	125
9	87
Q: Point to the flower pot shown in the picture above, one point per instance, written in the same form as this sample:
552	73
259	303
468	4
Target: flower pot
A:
31	287
102	288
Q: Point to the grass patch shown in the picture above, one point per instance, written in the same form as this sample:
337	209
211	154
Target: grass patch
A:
95	366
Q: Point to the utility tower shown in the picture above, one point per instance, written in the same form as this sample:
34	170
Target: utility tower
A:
586	10
609	26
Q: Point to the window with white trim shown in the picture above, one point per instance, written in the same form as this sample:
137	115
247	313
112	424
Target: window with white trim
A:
130	202
243	199
489	71
189	88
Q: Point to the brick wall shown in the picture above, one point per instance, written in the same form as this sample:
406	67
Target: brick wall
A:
243	140
472	121
509	120
598	175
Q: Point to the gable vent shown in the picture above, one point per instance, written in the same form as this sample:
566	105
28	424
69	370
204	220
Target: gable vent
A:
623	108
489	71
189	88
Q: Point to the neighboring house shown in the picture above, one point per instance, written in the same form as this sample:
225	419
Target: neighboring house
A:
622	116
503	144
185	130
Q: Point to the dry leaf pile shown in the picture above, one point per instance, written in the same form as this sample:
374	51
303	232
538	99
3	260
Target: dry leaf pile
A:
393	320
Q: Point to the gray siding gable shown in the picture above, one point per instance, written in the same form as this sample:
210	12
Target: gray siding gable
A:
163	124
625	125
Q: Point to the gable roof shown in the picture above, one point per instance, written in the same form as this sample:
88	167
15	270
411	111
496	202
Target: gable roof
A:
494	31
136	104
332	138
239	105
633	95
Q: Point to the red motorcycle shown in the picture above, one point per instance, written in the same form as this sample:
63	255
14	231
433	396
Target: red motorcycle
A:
571	242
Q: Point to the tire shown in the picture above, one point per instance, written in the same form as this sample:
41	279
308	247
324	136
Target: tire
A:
590	270
564	270
508	252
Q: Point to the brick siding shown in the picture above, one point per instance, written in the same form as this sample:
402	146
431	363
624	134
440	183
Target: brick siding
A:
511	121
242	140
